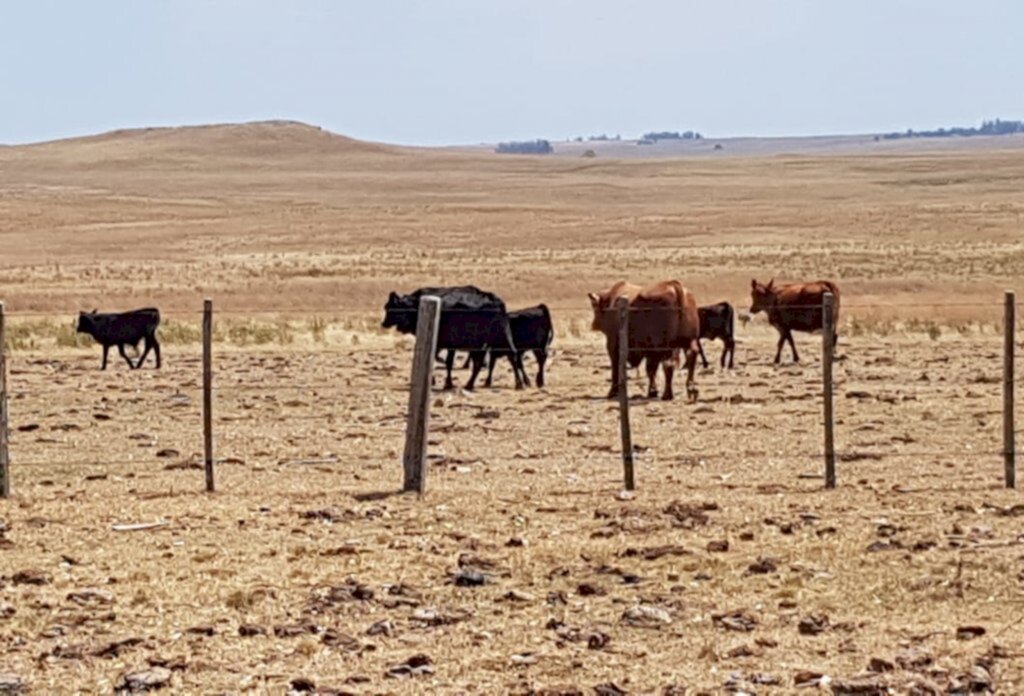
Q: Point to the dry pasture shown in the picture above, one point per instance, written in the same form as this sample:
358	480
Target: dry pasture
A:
730	568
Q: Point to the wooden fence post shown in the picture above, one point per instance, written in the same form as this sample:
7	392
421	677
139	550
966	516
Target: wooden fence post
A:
5	458
622	379
1009	443
208	392
417	426
828	348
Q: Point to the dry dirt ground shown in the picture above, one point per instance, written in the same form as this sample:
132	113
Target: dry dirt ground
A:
524	569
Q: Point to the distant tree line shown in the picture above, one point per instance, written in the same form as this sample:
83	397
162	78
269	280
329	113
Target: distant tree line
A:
996	127
529	147
671	135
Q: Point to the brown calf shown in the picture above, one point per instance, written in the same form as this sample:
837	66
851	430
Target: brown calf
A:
794	307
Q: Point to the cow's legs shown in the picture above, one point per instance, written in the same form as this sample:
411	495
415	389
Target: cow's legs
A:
782	342
517	363
668	366
730	350
120	349
702	356
542	357
478	357
106	349
691	364
613	356
652	378
466	363
449	363
792	345
150	344
490	368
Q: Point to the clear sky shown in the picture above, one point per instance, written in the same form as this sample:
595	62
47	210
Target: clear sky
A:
435	72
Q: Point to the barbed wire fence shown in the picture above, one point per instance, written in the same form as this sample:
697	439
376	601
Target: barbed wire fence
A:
416	426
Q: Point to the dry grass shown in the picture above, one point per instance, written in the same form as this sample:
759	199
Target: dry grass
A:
313	231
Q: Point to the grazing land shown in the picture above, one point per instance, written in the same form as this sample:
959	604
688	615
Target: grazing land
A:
524	568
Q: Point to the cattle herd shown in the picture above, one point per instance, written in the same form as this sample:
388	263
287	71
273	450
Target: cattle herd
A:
664	325
664	322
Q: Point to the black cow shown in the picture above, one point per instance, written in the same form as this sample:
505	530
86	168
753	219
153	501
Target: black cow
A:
471	319
124	329
531	330
717	322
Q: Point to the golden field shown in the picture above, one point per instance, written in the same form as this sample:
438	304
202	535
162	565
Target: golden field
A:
730	568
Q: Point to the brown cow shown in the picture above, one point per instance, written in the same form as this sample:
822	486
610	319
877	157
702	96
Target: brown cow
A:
662	321
795	307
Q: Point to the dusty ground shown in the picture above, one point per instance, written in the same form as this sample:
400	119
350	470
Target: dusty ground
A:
730	568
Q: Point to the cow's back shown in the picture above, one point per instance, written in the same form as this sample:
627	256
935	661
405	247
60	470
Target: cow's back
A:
663	316
799	306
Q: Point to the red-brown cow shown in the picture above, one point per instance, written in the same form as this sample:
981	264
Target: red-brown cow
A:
662	321
794	307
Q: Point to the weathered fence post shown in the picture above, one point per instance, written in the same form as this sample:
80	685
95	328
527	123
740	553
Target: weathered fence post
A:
1009	443
5	459
828	347
208	392
622	380
418	423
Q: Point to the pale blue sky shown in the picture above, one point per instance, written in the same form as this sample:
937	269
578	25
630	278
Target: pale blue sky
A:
467	71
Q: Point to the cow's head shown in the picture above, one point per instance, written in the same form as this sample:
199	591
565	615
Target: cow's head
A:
86	321
400	312
599	303
762	297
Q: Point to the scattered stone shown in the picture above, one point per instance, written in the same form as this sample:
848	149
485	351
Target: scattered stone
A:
735	621
644	615
303	685
587	589
763	566
168	453
719	546
91	596
469	578
609	689
31	577
516	542
250	630
813	625
145	680
598	640
415	666
115	648
518	596
526	658
866	686
969	632
383	627
806	677
12	684
877	664
207	631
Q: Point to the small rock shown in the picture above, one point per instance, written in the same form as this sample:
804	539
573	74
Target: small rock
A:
516	542
646	616
587	589
12	684
415	666
625	495
31	577
813	625
609	689
383	627
145	680
763	566
597	640
877	664
250	630
469	578
168	453
518	596
524	659
735	621
806	677
969	632
720	546
303	685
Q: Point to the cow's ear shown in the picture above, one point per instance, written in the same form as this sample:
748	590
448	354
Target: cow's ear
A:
753	284
771	283
594	299
393	297
93	311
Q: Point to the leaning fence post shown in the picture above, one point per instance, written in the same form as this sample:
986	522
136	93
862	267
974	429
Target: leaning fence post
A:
414	460
1009	443
622	380
828	348
208	392
5	459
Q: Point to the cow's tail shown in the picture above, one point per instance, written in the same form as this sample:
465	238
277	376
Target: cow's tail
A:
731	316
549	339
834	289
